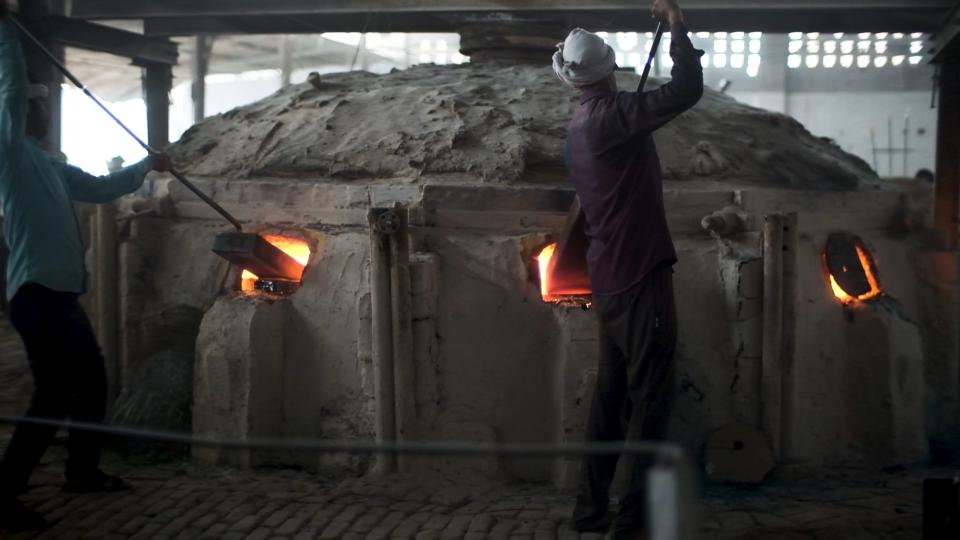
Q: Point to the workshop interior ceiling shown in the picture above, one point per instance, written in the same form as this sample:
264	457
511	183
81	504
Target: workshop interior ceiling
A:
115	79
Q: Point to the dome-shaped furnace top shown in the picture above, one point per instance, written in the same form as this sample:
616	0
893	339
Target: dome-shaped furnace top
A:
477	123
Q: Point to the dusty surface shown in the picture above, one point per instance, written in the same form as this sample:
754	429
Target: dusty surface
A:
488	123
176	500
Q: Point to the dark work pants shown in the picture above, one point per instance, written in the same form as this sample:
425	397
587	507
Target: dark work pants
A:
634	394
69	378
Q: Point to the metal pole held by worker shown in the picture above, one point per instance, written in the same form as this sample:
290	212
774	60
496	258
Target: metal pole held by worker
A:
76	82
653	55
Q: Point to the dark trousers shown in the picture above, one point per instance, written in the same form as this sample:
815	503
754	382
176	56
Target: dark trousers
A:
70	381
634	394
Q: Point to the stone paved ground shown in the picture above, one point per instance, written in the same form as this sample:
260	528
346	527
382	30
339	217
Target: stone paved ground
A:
178	500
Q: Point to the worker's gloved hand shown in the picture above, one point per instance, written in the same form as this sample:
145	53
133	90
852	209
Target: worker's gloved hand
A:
667	11
161	162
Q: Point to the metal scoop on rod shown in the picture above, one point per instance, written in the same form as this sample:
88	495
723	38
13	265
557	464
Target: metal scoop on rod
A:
247	250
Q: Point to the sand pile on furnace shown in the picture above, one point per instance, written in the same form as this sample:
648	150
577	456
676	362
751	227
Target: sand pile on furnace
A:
488	123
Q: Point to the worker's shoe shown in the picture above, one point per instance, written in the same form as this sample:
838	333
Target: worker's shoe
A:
638	534
589	518
15	517
98	482
628	527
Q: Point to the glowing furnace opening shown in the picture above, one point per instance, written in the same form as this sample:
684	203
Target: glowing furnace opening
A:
851	269
296	248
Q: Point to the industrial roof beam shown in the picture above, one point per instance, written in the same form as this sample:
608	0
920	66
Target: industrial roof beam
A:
180	17
141	50
945	42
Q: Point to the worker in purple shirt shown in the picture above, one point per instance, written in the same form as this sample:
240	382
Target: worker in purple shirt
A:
614	166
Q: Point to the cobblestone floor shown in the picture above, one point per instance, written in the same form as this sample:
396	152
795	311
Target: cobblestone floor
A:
179	500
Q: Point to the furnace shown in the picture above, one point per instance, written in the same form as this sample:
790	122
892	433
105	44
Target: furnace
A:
472	155
851	269
270	263
573	287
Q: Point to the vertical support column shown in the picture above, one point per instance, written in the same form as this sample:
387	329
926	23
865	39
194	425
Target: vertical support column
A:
404	370
382	342
947	202
775	58
788	333
363	53
771	378
105	251
201	65
157	82
286	61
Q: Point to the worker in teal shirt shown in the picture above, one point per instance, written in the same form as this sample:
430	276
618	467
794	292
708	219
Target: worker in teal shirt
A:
45	276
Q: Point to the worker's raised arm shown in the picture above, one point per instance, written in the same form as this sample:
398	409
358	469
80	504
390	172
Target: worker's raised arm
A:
13	93
647	111
100	189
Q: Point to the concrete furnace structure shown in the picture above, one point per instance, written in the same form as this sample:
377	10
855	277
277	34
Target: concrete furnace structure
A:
420	200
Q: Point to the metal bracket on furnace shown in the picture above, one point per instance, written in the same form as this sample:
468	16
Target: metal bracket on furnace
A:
388	223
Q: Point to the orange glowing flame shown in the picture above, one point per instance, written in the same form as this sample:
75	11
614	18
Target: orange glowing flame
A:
547	290
543	260
871	279
294	247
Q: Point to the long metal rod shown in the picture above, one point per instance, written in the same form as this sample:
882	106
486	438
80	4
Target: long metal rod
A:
76	82
660	452
653	55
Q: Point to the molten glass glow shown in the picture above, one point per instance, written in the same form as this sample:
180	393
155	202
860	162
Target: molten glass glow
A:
874	291
294	247
543	260
548	292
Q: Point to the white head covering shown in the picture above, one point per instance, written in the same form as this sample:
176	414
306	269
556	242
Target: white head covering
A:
583	59
35	91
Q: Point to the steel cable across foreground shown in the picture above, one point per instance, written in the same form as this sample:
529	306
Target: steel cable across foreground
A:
663	453
671	504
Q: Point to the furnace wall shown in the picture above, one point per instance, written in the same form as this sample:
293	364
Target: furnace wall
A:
494	363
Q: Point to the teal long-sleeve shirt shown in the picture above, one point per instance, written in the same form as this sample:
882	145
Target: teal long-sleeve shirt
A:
37	191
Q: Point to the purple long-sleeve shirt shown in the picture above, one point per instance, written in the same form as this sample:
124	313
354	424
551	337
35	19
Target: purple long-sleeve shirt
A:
614	166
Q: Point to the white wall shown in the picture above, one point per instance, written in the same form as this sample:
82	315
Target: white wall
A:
849	117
